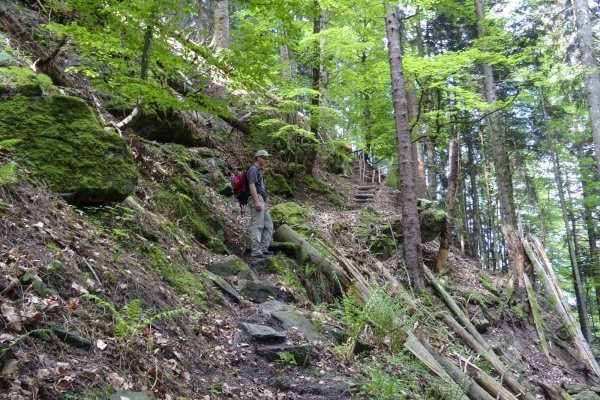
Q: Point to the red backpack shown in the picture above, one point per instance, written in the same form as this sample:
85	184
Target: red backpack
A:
241	191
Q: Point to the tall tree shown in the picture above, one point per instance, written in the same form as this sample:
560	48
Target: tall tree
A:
220	39
410	218
591	74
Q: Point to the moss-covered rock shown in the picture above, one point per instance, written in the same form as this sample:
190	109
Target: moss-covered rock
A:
278	185
64	144
287	213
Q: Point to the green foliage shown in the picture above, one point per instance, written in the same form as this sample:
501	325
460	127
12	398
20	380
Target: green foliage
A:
286	358
132	318
178	276
8	171
16	340
390	377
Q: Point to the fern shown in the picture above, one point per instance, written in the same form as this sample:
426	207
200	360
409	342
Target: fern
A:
9	143
23	336
132	318
8	171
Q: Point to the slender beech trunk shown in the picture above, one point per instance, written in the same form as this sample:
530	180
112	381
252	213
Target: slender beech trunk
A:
417	150
220	39
144	68
317	84
591	75
590	225
410	217
446	235
428	166
478	248
499	152
579	294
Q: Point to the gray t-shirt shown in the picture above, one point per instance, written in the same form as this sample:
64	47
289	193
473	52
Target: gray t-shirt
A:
255	176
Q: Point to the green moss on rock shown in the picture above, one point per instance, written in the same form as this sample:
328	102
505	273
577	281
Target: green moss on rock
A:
287	213
64	144
178	276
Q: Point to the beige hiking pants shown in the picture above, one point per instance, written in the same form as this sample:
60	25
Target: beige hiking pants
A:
261	227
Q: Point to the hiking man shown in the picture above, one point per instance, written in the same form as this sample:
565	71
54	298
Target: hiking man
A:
261	225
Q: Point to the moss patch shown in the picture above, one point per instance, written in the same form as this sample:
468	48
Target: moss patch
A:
64	144
287	213
178	276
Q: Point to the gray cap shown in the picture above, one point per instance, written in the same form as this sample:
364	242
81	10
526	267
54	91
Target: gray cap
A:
262	153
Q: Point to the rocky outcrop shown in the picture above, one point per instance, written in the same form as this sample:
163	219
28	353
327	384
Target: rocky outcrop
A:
65	145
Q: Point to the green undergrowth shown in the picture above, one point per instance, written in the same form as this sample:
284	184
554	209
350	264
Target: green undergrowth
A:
322	188
178	276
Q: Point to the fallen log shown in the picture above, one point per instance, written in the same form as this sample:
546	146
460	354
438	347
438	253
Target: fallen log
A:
286	234
485	381
462	378
477	342
543	268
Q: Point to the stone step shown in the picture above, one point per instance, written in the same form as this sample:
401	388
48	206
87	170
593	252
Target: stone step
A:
363	200
368	187
364	195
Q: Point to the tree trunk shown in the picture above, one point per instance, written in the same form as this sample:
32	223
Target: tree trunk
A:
220	39
446	235
319	25
417	150
579	294
410	216
499	151
590	226
591	75
145	66
478	247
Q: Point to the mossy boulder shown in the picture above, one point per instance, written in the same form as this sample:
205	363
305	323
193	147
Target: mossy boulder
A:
287	213
277	184
232	266
64	144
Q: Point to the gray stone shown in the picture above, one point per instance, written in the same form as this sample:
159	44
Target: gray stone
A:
481	324
261	333
257	292
271	306
129	395
291	319
232	266
301	353
223	286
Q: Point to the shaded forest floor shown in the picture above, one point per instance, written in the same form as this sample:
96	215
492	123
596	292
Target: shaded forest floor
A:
51	254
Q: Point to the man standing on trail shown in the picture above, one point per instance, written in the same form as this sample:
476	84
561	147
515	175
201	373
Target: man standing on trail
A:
261	225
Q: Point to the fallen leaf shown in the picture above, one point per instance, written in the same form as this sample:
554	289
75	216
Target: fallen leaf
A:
6	337
10	368
90	373
38	226
14	320
36	317
64	369
116	381
79	288
64	383
43	374
101	345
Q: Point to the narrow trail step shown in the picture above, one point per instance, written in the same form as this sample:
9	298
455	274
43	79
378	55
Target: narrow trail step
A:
370	187
364	195
363	200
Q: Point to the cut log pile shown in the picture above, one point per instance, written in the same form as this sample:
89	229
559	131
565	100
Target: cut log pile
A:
451	367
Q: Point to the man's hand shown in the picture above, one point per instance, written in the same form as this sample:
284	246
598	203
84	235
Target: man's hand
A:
257	206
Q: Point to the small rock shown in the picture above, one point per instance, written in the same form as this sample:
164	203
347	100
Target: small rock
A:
128	394
261	332
297	320
301	353
257	292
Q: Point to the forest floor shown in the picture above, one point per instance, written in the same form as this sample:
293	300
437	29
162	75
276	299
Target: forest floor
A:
51	254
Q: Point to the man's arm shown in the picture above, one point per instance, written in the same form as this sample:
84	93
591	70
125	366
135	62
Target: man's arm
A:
254	195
